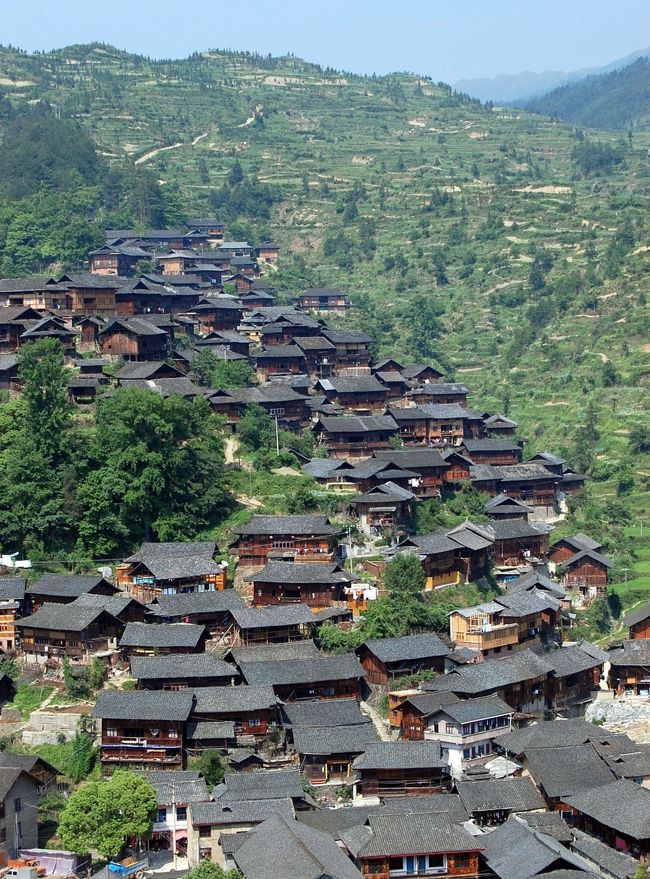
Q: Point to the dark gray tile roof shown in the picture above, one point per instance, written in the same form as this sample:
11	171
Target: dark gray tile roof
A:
280	848
303	671
226	700
260	784
565	771
491	445
12	588
635	652
604	858
347	336
634	764
299	572
274	652
171	561
322	713
631	619
66	585
590	554
115	604
469	710
549	734
409	833
550	823
401	755
621	805
162	635
295	525
177	786
188	603
272	617
406	647
515	529
356	384
143	705
571	660
492	674
248	812
430	703
515	851
445	804
144	370
412	459
511	794
181	665
335	821
358	423
518	472
535	580
9	775
326	741
209	730
525	602
59	617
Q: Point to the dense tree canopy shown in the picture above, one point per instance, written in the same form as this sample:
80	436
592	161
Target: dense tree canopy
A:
149	467
102	815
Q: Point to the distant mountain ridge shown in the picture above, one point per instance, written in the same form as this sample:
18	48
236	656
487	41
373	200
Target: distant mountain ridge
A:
614	100
519	87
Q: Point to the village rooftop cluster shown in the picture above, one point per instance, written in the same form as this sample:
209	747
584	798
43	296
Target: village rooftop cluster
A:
486	766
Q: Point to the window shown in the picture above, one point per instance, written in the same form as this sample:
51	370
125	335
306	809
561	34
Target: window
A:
161	816
17	805
204	832
436	864
374	867
462	862
173	733
255	721
181	813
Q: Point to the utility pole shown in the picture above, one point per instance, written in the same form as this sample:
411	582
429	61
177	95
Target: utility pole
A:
277	437
174	822
350	547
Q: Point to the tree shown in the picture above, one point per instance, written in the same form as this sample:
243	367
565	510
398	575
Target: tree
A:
210	870
639	438
256	429
404	577
45	393
609	375
102	815
82	758
158	472
211	768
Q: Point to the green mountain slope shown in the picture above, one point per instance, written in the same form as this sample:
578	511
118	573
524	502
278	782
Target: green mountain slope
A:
508	247
614	100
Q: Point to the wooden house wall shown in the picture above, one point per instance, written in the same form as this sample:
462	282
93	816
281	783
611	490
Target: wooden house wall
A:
255	549
338	689
640	630
458	864
586	572
400	782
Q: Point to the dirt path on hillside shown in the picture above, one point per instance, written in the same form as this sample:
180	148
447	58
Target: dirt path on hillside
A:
378	723
231	447
173	146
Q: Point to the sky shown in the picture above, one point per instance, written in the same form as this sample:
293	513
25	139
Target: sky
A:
445	39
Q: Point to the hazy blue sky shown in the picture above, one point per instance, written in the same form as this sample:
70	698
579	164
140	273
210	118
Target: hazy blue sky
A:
446	39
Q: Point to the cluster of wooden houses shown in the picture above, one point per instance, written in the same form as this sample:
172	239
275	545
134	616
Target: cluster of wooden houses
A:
486	766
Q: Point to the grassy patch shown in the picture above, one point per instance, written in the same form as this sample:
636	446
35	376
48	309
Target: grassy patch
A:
29	697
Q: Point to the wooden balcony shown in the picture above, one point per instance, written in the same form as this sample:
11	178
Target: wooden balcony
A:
497	636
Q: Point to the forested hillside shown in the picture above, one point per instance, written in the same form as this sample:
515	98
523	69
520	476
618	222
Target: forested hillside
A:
508	247
619	100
